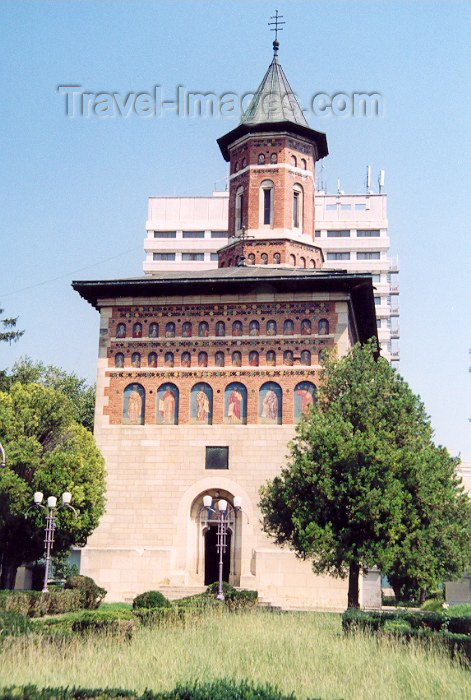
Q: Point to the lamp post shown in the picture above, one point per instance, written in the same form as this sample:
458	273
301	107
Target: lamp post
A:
51	509
222	522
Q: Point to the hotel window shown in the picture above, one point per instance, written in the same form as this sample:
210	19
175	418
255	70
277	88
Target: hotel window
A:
218	234
377	301
187	257
214	257
193	234
163	256
318	234
165	234
338	234
376	278
378	323
345	207
331	207
338	256
266	195
368	233
360	207
368	256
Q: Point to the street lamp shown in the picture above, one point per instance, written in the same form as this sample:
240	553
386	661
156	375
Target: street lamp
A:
222	517
51	509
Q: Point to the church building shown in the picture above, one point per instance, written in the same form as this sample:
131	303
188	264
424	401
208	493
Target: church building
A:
203	375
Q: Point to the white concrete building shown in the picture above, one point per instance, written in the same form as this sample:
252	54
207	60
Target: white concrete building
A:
184	233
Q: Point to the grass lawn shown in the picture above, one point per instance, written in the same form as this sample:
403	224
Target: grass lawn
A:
301	652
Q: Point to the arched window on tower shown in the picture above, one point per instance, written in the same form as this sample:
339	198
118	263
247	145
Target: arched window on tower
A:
121	330
239	207
302	262
276	258
220	328
294	161
297	206
267	190
261	158
303	164
251	259
264	259
292	260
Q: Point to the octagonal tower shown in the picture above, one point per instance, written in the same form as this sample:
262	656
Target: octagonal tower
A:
272	155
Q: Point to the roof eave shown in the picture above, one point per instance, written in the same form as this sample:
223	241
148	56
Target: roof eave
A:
317	137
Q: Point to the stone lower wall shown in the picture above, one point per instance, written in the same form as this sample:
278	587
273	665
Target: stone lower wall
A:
150	535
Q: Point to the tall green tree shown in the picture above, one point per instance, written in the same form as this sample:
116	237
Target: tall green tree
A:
9	333
81	395
48	451
364	481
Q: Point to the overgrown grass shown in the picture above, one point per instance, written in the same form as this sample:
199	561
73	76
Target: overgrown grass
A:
302	652
115	606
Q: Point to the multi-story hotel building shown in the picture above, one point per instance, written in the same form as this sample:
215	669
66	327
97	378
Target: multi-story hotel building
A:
185	233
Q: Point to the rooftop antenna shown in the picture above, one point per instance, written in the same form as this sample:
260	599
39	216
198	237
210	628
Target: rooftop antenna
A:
381	181
368	179
339	191
277	28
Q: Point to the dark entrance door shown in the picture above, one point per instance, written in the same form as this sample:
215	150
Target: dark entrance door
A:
211	560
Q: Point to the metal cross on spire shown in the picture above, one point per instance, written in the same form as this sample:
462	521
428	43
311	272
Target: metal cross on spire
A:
275	27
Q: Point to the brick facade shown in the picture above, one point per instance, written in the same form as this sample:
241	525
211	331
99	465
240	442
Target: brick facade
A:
194	329
287	161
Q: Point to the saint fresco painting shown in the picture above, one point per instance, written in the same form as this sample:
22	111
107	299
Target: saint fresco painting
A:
269	404
201	404
304	398
167	405
134	405
235	404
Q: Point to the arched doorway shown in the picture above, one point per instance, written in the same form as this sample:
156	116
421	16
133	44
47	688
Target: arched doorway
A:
211	557
206	557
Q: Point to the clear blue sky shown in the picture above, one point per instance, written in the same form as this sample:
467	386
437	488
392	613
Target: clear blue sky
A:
74	191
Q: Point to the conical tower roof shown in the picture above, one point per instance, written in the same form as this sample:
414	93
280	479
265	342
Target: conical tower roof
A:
274	107
274	100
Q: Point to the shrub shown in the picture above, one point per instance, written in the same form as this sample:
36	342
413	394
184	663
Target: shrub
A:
353	620
91	594
220	689
228	590
460	624
36	604
397	626
163	616
432	605
150	599
13	624
243	600
115	626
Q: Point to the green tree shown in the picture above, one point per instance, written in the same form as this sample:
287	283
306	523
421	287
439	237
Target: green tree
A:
9	332
364	480
48	451
81	395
